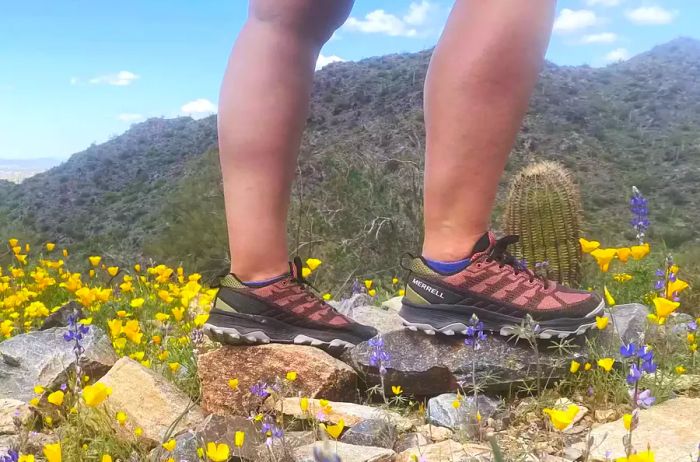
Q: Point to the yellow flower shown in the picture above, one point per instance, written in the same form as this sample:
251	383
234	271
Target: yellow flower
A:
38	389
680	370
327	296
305	272
372	292
178	313
137	268
640	251
233	384
456	403
113	270
174	367
402	292
65	253
334	430
396	389
239	439
106	458
574	367
587	367
588	246
676	287
664	307
13	242
52	452
601	322
121	417
95	260
561	419
603	257
304	404
291	376
623	254
217	452
94	395
56	398
26	458
201	319
21	258
162	317
368	283
169	445
394	280
646	456
606	364
609	299
138	431
137	303
50	246
622	277
627	421
313	263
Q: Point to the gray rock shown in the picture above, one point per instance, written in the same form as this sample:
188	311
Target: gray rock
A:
447	450
393	304
373	432
347	305
45	358
410	440
59	318
280	450
344	452
442	412
382	320
8	443
12	414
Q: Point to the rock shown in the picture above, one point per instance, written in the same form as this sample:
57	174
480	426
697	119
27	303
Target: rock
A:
441	411
351	414
186	445
318	375
371	432
667	428
45	358
344	452
149	401
572	453
283	450
382	320
603	415
411	440
347	305
59	318
393	304
8	443
12	414
430	365
435	433
447	450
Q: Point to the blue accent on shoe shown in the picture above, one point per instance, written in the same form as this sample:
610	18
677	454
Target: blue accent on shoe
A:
265	282
447	266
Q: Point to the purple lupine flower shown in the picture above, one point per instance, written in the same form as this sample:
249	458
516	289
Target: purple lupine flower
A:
260	389
649	367
270	431
321	455
11	456
645	399
639	207
627	351
475	333
634	375
378	357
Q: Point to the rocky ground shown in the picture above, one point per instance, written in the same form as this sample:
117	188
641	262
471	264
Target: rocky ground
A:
423	408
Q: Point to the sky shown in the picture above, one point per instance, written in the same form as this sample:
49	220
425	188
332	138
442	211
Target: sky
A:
74	72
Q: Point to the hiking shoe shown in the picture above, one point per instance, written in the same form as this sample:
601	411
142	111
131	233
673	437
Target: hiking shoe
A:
500	291
284	311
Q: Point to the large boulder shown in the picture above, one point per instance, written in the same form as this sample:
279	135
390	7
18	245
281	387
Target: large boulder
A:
371	432
45	358
442	412
318	375
150	402
669	428
382	320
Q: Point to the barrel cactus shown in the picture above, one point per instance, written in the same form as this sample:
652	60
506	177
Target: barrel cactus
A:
544	208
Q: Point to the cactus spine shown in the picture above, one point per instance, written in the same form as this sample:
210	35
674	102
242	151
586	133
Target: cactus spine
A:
544	209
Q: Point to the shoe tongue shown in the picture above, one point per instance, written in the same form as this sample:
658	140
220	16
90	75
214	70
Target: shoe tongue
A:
484	243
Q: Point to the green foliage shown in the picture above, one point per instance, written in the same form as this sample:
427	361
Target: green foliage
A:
543	208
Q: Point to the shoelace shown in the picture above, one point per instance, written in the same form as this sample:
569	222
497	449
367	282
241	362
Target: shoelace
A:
304	284
499	253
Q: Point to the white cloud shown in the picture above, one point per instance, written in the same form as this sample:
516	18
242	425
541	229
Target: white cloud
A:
603	37
573	20
324	60
381	22
618	54
120	79
651	15
198	107
603	2
74	81
129	117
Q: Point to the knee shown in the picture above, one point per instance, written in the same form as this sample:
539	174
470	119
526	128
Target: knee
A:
315	19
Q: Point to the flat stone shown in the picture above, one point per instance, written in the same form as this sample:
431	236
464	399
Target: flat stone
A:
347	305
411	440
603	415
435	433
441	411
45	358
668	428
318	375
283	450
350	413
371	432
447	450
344	452
12	413
393	304
150	402
382	320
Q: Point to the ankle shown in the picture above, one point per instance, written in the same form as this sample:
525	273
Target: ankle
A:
444	249
258	274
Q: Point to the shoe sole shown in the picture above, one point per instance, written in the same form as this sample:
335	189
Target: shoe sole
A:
507	330
232	336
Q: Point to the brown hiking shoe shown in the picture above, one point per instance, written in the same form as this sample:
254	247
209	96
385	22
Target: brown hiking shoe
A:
499	291
284	311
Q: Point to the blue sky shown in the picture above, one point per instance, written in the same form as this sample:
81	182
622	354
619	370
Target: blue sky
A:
73	72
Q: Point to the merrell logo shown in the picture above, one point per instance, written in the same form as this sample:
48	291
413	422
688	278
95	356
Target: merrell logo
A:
427	288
